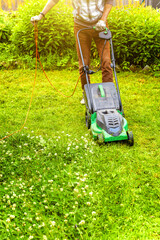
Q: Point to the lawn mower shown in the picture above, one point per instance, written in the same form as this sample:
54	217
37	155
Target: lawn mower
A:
104	113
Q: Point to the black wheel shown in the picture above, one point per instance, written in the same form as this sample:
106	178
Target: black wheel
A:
130	138
88	119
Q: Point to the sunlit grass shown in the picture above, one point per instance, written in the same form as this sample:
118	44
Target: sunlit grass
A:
56	183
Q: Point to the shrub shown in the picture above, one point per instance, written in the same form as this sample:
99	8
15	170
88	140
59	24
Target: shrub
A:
56	38
6	24
136	35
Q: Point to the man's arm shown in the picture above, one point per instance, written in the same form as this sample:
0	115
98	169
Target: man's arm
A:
101	24
107	9
50	4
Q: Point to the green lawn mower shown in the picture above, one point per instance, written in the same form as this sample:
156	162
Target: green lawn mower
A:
104	112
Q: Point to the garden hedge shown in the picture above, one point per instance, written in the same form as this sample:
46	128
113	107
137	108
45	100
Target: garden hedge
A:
136	35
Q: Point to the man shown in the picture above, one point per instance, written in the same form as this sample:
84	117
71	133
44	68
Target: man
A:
88	13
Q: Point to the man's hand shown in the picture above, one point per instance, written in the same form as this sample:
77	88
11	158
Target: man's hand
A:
36	18
100	26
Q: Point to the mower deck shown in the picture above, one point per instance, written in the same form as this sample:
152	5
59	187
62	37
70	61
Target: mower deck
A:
100	134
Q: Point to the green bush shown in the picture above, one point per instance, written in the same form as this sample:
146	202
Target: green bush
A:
56	43
6	24
136	36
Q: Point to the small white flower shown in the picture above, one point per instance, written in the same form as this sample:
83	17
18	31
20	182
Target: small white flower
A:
8	220
44	237
94	213
82	222
91	193
53	223
30	237
12	216
88	203
50	181
76	190
61	189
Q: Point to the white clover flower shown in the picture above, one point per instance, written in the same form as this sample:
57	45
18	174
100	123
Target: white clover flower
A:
91	193
88	203
12	216
30	237
61	189
50	181
45	237
8	220
94	213
76	190
83	179
53	223
82	222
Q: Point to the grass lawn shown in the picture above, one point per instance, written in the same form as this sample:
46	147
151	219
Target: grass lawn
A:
57	183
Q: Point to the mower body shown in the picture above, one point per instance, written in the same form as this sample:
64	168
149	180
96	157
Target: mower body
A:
106	123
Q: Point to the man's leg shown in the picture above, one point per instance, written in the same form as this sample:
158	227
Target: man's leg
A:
85	38
107	74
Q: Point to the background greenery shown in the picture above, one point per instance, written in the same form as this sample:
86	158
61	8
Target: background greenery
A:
136	36
56	183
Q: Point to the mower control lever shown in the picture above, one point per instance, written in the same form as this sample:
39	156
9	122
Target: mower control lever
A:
86	70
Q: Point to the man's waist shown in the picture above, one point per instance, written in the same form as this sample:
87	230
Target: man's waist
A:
85	23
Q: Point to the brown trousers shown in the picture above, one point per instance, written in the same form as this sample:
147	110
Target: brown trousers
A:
85	38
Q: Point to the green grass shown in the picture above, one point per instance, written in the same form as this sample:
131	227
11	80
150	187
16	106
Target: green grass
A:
57	183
